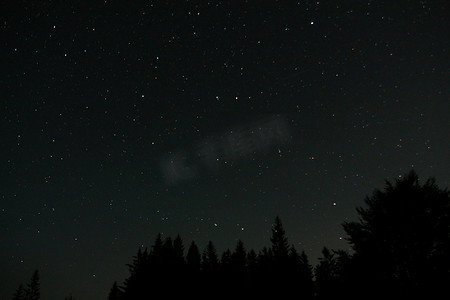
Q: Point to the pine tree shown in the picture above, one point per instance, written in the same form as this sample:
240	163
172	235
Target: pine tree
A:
306	276
193	260
281	275
114	293
265	260
32	291
299	278
178	274
252	261
210	261
325	273
238	258
225	262
210	267
192	279
19	294
280	245
157	250
139	261
275	263
178	251
167	254
239	281
135	285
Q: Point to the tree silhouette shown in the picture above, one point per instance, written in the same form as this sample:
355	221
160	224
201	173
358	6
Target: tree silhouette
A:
400	246
252	262
305	275
325	273
210	261
114	293
225	262
239	258
210	268
19	294
156	253
193	259
280	245
33	290
167	253
238	267
275	263
178	253
299	277
193	264
402	240
135	284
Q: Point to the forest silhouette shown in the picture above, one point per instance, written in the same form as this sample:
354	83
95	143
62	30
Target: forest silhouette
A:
400	248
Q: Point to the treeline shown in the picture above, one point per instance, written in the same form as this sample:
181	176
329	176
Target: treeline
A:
279	268
400	249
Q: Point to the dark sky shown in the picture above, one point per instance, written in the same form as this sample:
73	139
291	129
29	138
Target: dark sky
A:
122	119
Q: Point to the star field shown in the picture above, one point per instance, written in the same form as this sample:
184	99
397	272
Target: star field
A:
122	120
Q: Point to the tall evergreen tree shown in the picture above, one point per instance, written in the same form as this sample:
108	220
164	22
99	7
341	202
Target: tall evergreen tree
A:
156	252
265	258
19	293
225	262
192	281
136	284
239	268
178	251
193	258
280	245
306	276
210	261
274	264
252	261
33	290
210	268
239	258
325	273
114	293
178	271
167	254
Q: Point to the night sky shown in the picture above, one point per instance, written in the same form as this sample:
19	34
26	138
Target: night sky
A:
123	119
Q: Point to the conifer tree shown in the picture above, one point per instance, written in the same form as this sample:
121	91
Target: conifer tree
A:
210	267
32	291
193	259
225	262
178	251
191	280
136	283
325	273
210	261
238	258
157	250
280	245
252	261
167	254
19	293
306	276
114	293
